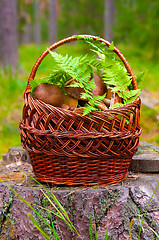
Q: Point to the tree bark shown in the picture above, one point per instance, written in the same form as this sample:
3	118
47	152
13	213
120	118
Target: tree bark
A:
8	34
27	36
113	206
53	22
37	30
109	19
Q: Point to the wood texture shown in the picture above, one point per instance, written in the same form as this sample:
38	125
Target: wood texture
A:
8	34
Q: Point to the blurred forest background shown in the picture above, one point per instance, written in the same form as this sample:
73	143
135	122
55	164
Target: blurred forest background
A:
28	27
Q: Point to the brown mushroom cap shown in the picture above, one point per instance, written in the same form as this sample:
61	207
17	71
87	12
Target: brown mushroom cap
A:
50	94
100	88
75	92
70	101
109	93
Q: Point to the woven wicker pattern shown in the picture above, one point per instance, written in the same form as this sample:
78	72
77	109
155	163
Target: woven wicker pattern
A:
66	147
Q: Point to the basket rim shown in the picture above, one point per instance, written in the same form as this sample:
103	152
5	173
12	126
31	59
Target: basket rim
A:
80	134
136	102
100	115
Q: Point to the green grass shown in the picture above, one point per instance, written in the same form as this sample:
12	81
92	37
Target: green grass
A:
141	60
13	86
58	210
10	104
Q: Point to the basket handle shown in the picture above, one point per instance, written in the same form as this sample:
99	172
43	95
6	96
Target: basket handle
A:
71	39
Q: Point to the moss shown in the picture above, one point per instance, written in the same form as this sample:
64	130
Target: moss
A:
97	219
105	201
7	224
5	209
129	212
9	230
70	199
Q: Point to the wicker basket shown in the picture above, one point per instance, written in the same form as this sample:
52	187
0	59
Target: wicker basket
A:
66	147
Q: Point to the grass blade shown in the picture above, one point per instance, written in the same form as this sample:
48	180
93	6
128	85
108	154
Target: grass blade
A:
60	207
54	232
134	219
146	210
62	213
95	229
106	235
90	231
48	210
38	227
23	200
51	195
131	223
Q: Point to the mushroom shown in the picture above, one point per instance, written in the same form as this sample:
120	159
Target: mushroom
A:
111	98
75	92
102	106
50	94
100	88
107	101
109	93
112	101
65	106
70	101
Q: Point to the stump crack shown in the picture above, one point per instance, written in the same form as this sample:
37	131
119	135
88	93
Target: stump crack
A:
6	209
137	204
147	218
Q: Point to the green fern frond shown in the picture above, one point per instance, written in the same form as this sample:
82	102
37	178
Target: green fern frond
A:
105	63
97	44
140	78
89	109
116	105
115	75
59	78
79	68
92	106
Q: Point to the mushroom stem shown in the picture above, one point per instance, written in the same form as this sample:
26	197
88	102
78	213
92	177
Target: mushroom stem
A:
112	100
102	106
106	101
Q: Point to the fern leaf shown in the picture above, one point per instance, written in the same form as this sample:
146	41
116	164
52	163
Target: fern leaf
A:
140	78
116	105
96	44
107	65
89	109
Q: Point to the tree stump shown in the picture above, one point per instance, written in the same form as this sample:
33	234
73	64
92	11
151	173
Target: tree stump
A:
109	205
